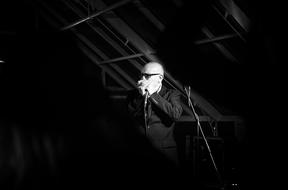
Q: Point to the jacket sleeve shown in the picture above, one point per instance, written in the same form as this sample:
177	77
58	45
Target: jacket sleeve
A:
135	103
171	105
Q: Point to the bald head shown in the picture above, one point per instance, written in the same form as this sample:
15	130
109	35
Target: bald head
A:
153	68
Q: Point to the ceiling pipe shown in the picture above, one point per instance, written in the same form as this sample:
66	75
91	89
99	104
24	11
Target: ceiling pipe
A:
215	39
122	58
109	8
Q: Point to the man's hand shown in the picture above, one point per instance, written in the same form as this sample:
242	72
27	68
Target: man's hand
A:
142	86
153	86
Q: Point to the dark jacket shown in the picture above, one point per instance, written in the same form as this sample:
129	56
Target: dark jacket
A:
163	109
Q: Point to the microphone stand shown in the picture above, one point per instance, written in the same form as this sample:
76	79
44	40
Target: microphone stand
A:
204	138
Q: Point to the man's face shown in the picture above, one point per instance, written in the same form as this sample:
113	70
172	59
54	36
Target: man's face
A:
152	71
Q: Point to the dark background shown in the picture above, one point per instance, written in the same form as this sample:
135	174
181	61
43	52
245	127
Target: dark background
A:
58	90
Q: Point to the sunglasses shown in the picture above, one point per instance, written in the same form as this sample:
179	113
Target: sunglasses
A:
148	75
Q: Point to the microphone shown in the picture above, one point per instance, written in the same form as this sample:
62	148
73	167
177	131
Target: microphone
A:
146	97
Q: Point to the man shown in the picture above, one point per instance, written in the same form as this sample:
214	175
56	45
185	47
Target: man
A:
155	109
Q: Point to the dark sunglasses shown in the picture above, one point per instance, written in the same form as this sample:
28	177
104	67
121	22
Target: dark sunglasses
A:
147	75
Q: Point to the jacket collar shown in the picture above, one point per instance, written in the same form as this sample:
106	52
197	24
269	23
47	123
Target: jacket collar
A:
162	90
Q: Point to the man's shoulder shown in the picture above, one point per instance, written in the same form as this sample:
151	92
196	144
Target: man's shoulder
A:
169	91
173	91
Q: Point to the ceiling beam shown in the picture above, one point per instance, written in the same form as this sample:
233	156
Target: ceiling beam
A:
229	24
233	9
221	48
103	56
99	52
215	39
109	8
157	23
113	43
111	73
122	58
